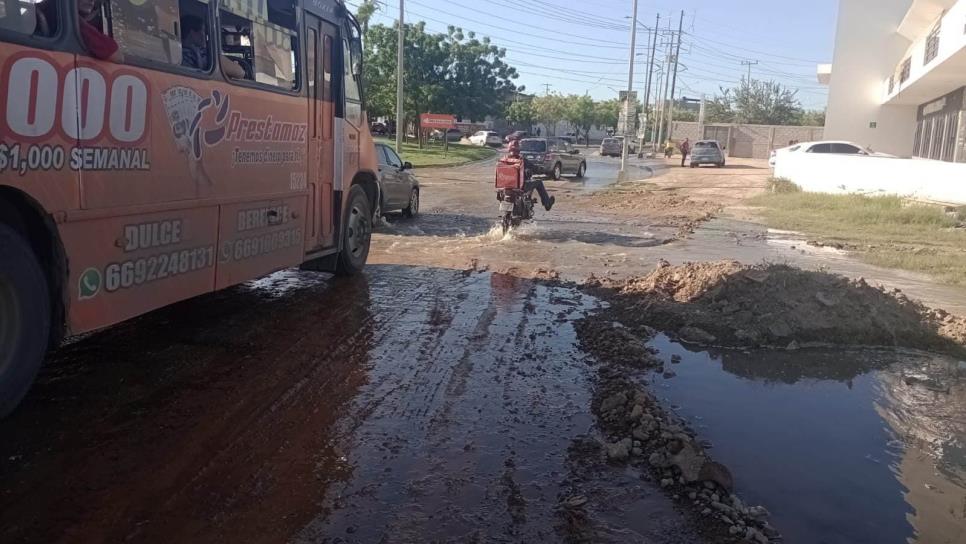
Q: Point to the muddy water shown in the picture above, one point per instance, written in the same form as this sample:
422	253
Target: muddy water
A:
843	446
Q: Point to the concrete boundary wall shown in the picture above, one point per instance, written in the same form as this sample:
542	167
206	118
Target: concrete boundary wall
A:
746	141
928	180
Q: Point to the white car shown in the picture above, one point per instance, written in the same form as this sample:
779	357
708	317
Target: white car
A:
829	146
486	137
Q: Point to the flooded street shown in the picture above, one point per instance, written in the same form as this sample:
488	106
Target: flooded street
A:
466	389
844	446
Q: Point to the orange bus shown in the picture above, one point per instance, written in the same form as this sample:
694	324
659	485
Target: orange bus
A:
155	150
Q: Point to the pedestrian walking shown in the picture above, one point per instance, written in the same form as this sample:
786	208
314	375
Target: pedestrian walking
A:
538	132
668	149
685	150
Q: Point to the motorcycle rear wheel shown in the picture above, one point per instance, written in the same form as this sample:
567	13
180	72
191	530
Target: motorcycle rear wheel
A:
507	221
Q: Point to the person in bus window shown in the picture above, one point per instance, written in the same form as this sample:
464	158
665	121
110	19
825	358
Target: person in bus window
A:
97	42
194	48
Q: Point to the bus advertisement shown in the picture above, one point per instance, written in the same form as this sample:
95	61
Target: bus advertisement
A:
155	151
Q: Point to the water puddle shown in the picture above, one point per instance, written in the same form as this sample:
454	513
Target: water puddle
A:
859	446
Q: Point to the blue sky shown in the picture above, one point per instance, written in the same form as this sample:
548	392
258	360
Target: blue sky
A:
582	47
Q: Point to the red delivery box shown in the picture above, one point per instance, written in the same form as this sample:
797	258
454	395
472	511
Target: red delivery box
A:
509	174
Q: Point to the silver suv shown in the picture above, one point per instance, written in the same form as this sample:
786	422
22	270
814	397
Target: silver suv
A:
552	157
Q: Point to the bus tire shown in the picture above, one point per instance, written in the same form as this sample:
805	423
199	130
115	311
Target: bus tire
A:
356	233
24	318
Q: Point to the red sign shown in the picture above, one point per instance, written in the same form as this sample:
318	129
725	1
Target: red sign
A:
437	120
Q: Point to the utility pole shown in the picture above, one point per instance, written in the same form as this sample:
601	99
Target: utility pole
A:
674	78
650	71
667	85
630	86
400	121
749	64
546	89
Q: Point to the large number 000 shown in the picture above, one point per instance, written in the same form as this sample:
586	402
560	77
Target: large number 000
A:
34	89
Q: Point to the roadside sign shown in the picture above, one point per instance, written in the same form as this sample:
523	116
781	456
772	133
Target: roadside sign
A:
437	120
625	119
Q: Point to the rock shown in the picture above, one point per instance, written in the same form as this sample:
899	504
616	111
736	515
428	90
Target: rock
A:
658	460
719	474
825	300
576	501
706	511
727	520
715	497
614	401
757	276
667	482
692	495
758	512
792	346
722	507
754	535
696	335
619	451
751	337
779	329
675	359
668	374
689	460
636	412
640	434
734	529
637	452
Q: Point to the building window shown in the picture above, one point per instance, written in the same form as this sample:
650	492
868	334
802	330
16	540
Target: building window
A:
904	70
932	43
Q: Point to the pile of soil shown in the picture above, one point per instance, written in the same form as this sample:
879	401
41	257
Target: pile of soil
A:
661	208
726	303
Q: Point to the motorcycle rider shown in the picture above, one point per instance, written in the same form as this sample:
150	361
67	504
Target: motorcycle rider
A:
530	184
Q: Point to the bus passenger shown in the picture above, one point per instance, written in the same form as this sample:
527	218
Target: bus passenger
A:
194	49
98	43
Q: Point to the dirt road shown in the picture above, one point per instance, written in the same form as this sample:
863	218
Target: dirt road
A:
445	395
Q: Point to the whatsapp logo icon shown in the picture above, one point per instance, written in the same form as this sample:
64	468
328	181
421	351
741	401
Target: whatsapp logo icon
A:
89	284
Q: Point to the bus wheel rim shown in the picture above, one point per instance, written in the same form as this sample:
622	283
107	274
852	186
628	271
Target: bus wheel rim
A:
9	323
359	230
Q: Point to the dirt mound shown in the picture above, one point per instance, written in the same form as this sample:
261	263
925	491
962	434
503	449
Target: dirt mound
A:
666	209
726	303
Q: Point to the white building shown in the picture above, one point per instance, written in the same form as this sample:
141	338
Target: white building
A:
897	77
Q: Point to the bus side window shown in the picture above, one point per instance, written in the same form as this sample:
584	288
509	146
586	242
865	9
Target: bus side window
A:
30	17
267	49
148	30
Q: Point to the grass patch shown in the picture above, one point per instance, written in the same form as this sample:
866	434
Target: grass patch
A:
782	186
882	230
433	154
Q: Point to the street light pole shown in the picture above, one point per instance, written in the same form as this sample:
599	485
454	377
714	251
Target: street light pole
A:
674	79
630	85
400	124
650	73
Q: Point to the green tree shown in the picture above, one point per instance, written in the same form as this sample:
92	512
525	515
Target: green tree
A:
549	109
445	73
520	113
813	118
367	8
581	112
760	103
606	113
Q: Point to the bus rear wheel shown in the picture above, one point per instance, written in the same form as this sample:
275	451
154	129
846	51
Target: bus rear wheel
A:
24	318
356	234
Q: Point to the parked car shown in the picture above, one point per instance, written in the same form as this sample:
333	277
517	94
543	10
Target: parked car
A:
452	134
515	135
398	186
611	147
552	157
707	152
378	129
831	147
486	137
631	145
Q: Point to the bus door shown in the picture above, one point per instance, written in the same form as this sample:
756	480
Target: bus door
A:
320	37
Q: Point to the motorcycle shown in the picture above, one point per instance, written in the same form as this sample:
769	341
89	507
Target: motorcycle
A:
516	203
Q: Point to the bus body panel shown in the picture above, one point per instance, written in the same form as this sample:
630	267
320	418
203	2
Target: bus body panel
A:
258	238
34	146
123	266
202	139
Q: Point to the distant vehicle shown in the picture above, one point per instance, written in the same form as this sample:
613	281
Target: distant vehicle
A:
516	135
631	146
378	129
611	147
707	152
452	134
486	137
828	147
552	157
398	186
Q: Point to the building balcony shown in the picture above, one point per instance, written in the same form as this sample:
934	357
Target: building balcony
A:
935	63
